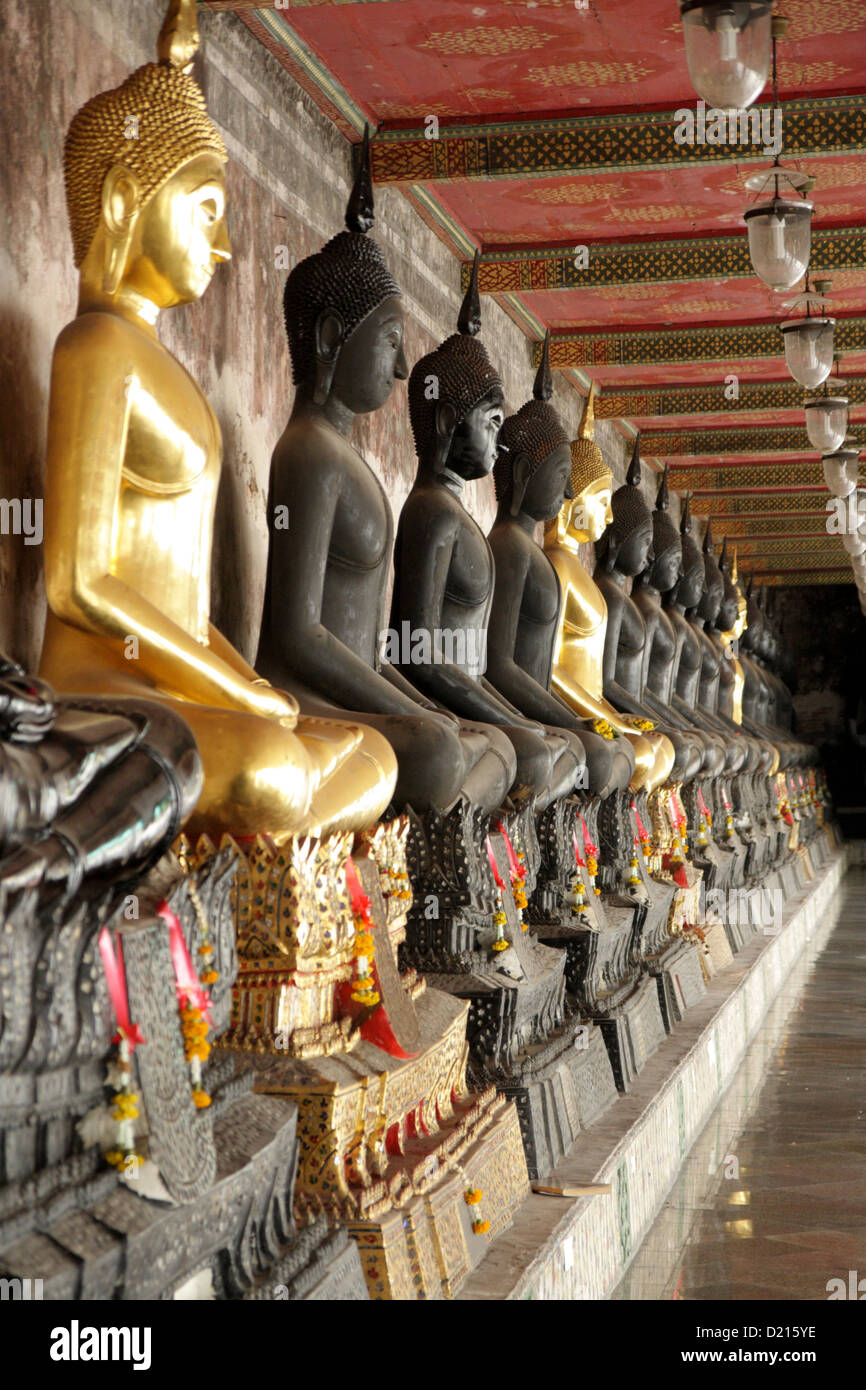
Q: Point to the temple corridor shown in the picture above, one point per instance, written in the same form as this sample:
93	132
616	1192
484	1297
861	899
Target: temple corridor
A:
768	1205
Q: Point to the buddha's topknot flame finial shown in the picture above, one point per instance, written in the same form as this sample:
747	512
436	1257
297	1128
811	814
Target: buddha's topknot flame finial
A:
708	538
586	428
542	388
663	500
360	212
178	39
686	516
469	318
632	477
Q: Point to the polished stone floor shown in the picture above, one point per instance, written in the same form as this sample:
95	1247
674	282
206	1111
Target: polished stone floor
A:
771	1202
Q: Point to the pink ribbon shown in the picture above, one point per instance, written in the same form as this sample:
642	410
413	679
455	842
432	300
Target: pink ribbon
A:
116	979
189	987
580	863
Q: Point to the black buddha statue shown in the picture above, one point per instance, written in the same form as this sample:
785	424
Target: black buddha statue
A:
662	649
532	477
331	529
626	550
443	565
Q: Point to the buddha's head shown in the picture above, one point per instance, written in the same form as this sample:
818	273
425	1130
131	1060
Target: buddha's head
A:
667	563
627	544
587	510
145	179
714	586
728	616
533	468
456	400
343	314
754	618
690	586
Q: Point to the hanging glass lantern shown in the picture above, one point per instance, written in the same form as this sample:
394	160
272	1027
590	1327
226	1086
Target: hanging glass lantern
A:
780	240
826	421
809	349
727	49
841	468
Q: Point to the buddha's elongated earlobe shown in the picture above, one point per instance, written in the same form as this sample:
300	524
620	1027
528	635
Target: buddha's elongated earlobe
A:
520	474
121	201
329	340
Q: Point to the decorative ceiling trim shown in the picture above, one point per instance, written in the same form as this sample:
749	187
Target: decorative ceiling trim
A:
682	259
615	402
551	146
721	343
759	439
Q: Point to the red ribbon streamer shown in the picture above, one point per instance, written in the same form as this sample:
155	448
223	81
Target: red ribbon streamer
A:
189	986
588	847
494	866
702	803
116	978
643	834
514	864
360	901
580	863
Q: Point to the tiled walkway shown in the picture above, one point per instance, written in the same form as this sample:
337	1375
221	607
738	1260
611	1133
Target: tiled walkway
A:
771	1203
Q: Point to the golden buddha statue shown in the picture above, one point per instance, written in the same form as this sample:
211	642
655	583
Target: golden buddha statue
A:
134	457
577	675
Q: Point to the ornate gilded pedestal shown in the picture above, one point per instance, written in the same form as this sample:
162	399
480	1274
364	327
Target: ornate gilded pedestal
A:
394	1146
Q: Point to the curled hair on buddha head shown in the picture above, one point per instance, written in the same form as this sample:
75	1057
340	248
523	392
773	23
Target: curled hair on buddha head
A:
348	277
587	461
665	534
535	430
627	503
164	106
458	372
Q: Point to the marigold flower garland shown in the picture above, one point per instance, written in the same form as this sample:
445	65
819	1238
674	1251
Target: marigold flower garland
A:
501	943
124	1107
517	874
363	946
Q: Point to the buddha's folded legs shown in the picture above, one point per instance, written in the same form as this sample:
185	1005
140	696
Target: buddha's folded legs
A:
610	763
534	764
263	778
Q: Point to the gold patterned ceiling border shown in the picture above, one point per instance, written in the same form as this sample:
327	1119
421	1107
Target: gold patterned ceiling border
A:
721	343
554	146
759	439
826	548
631	402
511	269
745	527
733	503
794	578
768	477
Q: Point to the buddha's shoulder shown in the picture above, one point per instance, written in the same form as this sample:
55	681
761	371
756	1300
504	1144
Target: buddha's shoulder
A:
430	502
98	331
308	441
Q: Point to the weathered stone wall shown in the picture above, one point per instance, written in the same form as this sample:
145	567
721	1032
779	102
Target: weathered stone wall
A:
288	183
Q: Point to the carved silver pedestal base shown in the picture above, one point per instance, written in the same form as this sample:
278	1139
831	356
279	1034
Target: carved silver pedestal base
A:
559	1090
633	1033
680	979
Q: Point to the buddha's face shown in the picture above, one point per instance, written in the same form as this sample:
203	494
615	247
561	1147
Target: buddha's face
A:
636	551
691	586
727	611
371	360
180	235
667	568
713	594
473	444
591	514
549	485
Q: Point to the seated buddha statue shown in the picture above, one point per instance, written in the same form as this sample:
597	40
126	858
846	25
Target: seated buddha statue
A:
578	648
625	550
324	612
134	457
443	565
532	478
700	662
662	645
